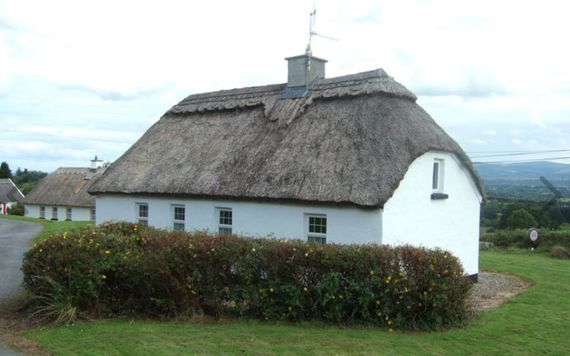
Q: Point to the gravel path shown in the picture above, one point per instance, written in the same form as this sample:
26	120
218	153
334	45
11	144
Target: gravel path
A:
493	290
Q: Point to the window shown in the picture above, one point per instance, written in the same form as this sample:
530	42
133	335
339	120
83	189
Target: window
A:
68	214
54	213
225	221
437	178
42	212
317	229
93	215
142	213
178	217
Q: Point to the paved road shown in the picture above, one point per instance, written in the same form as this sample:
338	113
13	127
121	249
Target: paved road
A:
15	239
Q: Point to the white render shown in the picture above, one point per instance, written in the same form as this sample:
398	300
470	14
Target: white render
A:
77	213
410	216
345	225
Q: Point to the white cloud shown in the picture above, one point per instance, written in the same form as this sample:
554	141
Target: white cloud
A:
112	68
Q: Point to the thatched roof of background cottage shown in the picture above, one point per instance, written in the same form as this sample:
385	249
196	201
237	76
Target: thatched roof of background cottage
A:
64	187
350	140
9	193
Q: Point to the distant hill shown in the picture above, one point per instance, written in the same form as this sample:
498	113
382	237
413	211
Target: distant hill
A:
530	170
521	181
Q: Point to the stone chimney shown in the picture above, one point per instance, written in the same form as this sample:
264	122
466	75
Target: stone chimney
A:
303	71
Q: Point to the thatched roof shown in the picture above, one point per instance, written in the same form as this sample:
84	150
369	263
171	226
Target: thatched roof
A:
64	187
9	193
350	140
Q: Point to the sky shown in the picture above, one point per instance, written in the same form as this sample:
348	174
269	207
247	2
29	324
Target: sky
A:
86	78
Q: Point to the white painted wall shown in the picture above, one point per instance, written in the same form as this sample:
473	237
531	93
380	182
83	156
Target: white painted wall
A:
412	217
77	214
256	219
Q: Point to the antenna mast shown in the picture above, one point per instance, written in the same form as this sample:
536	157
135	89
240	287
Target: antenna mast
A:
312	32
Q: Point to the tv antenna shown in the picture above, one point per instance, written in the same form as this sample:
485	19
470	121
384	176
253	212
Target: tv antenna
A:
312	32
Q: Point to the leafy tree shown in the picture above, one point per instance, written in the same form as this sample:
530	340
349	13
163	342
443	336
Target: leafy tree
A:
521	219
5	171
26	180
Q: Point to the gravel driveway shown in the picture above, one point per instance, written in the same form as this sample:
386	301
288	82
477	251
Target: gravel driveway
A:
15	239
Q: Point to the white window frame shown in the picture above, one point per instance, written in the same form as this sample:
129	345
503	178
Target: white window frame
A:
68	214
223	227
93	214
42	214
437	177
142	220
54	213
177	223
314	236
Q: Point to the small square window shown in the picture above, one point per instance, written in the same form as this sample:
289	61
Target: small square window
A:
178	217
225	221
317	228
142	213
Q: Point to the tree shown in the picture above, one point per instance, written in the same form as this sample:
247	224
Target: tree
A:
521	219
5	171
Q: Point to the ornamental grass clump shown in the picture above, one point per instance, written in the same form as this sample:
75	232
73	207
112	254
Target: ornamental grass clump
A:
125	269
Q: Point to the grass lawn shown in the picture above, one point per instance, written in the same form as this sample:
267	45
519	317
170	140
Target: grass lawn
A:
50	227
535	322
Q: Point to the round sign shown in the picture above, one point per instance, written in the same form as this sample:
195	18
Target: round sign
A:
533	235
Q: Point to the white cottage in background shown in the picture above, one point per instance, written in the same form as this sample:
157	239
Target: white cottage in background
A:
62	195
351	159
10	195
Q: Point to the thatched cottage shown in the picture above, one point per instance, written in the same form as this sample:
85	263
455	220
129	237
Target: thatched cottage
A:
351	159
62	195
9	195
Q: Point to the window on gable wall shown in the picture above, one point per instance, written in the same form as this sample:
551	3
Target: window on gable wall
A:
317	228
437	178
178	217
142	213
225	221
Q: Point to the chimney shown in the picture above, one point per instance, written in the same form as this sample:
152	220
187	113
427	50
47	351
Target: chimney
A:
95	164
303	71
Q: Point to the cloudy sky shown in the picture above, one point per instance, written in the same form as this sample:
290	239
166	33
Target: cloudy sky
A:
85	78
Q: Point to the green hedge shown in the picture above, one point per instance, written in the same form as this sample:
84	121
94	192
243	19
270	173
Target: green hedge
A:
519	238
122	269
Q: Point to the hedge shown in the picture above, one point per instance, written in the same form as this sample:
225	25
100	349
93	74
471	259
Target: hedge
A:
519	238
125	269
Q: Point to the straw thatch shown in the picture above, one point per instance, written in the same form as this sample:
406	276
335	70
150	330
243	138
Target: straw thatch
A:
350	140
64	187
9	193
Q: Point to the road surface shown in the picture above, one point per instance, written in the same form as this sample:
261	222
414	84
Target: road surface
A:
15	239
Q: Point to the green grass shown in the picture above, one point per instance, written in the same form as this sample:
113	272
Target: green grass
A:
535	322
50	227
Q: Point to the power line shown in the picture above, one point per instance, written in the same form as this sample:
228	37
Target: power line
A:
526	153
525	161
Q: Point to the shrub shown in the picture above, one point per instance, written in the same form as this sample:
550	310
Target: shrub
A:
560	252
521	219
124	269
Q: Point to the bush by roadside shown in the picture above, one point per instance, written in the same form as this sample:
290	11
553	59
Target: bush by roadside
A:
124	269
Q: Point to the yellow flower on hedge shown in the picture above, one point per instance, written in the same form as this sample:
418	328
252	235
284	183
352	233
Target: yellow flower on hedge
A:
103	276
107	252
271	290
371	273
305	289
253	249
